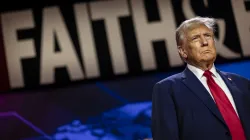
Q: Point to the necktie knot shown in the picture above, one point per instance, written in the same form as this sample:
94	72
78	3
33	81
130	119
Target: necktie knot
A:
207	74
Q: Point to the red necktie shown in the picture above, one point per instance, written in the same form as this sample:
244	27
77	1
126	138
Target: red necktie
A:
226	109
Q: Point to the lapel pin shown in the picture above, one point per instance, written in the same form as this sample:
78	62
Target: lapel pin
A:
229	79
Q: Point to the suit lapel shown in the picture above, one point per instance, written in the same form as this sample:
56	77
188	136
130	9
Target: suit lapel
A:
236	93
200	91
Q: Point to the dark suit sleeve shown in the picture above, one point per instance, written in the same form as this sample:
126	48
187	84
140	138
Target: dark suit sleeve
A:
164	118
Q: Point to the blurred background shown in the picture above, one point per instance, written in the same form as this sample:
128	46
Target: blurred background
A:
84	70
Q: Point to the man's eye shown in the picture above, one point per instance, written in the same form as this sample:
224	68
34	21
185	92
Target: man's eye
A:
194	38
208	35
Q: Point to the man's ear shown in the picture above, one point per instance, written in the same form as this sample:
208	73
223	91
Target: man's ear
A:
182	52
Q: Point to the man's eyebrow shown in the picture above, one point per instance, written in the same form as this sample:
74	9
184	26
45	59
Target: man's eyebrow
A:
194	35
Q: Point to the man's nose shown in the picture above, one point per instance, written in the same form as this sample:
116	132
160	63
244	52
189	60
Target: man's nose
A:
204	41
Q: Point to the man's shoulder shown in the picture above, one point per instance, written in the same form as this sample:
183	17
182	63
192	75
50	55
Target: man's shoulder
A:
234	75
171	79
169	84
237	78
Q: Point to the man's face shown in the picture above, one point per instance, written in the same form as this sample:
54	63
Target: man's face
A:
199	45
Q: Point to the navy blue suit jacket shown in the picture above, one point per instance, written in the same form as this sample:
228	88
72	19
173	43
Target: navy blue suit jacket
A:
182	108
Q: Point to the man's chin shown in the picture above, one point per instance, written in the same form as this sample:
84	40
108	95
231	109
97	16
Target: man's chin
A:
208	59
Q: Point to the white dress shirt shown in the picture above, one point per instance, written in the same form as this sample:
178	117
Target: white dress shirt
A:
217	78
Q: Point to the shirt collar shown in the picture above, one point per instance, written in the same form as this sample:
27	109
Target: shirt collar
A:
199	72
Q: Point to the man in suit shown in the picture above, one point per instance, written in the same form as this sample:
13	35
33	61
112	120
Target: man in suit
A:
202	102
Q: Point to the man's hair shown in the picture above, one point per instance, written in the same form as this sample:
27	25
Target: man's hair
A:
187	24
